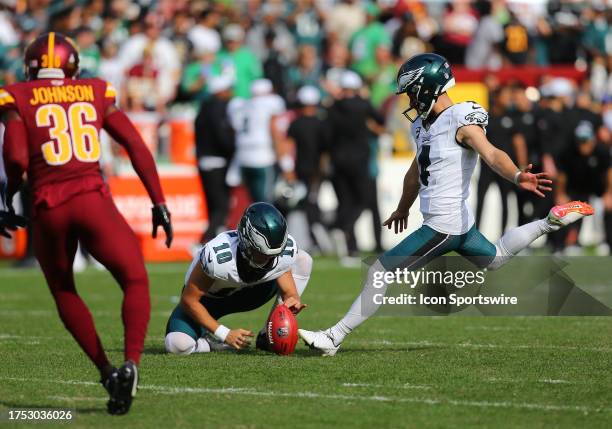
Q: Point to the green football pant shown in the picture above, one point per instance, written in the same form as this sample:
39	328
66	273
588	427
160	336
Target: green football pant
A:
426	244
246	299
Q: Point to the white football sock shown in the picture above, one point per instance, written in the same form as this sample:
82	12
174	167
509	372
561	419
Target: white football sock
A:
179	343
517	239
359	312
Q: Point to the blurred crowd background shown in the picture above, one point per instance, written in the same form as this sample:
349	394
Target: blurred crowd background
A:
314	81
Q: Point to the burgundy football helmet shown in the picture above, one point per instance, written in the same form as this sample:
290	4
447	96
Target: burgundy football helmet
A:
51	56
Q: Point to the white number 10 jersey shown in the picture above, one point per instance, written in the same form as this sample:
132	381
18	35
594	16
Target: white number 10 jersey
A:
446	168
218	260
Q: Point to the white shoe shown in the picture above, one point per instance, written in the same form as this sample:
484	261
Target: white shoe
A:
320	340
564	214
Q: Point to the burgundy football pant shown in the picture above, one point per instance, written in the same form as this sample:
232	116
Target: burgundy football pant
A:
93	219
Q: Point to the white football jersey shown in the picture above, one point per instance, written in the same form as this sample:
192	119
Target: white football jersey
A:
251	121
218	260
446	167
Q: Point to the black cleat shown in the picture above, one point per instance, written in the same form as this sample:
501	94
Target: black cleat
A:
108	382
123	384
261	343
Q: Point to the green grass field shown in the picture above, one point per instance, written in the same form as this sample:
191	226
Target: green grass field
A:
392	372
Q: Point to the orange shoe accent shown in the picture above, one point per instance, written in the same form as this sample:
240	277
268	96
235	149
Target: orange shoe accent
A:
573	206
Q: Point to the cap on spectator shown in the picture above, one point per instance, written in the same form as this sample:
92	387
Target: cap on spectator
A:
261	87
561	87
309	95
350	80
557	87
205	43
217	84
584	131
233	33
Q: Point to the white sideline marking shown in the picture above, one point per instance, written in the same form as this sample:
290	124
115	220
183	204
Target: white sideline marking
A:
487	346
401	386
168	390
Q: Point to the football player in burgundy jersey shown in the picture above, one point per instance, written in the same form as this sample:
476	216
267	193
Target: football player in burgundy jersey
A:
52	130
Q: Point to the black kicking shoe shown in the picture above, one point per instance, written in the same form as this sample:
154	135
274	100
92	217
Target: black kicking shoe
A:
261	343
123	384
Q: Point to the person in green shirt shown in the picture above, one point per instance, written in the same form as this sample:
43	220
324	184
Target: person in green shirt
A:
238	61
196	75
380	74
364	41
89	53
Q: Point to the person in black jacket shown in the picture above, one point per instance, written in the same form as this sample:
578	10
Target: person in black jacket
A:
500	130
525	117
349	153
309	135
214	150
585	171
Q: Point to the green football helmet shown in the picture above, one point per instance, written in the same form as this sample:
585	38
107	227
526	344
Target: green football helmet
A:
262	234
423	78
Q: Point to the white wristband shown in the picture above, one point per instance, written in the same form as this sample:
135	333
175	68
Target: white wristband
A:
221	332
516	177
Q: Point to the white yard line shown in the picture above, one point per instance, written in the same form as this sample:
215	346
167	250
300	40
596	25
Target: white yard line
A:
524	380
487	346
388	386
375	343
551	381
493	328
169	390
76	398
95	313
169	268
29	337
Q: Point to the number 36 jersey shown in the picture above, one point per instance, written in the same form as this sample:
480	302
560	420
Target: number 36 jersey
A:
63	118
219	260
446	168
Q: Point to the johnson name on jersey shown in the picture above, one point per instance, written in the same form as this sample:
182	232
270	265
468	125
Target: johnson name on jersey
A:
446	168
218	259
63	118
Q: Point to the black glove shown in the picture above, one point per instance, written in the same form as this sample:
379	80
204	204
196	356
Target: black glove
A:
161	217
10	221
